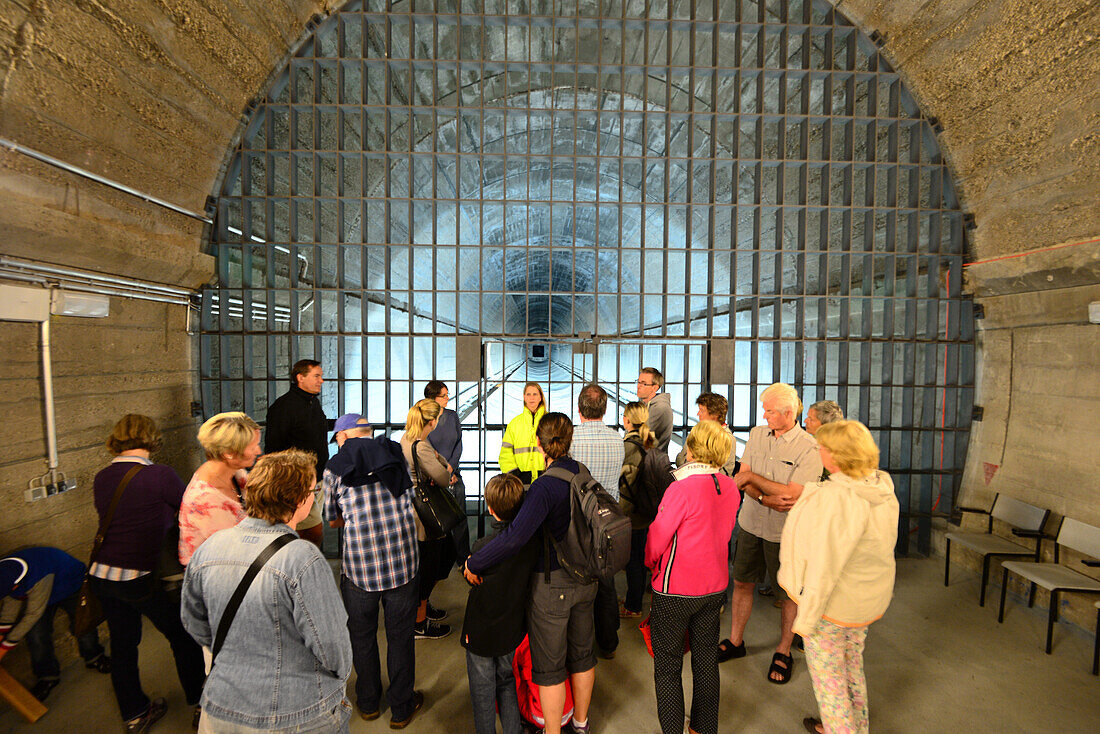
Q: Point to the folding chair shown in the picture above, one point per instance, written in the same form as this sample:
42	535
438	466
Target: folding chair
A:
1027	522
1055	577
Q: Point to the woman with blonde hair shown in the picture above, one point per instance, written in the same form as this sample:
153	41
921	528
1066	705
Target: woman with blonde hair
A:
637	441
214	498
688	550
519	452
436	556
837	563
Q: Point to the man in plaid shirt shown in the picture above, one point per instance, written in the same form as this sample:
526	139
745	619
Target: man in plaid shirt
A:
368	493
600	449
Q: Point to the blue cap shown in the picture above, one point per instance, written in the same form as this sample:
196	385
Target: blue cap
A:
348	421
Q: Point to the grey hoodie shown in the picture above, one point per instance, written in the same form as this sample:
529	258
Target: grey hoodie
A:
660	419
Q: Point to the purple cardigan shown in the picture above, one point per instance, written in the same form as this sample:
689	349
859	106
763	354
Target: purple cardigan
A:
147	509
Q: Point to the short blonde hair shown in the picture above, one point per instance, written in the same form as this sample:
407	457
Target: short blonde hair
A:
851	445
227	433
710	443
134	431
785	395
278	484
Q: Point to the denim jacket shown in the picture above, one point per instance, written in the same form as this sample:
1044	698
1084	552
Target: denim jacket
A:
287	656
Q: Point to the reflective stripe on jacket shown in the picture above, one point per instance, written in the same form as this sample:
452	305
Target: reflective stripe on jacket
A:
519	449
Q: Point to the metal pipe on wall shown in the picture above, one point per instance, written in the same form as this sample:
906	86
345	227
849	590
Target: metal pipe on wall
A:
47	392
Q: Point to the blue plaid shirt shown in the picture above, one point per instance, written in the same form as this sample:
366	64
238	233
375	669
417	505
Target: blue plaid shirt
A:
380	550
601	450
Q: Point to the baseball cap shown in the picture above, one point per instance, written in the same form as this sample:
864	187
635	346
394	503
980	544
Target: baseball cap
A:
348	421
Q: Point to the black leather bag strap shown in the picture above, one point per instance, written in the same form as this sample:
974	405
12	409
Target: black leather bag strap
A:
242	589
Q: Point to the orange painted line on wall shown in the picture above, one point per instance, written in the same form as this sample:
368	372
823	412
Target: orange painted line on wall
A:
1030	252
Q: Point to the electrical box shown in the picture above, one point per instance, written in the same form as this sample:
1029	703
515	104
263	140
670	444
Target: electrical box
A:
19	303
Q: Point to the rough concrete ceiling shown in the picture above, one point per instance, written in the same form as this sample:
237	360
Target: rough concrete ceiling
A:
150	95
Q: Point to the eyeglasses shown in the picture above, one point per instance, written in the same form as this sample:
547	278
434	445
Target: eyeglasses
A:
647	384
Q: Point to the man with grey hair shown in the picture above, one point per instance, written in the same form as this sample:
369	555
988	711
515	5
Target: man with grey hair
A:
820	413
779	459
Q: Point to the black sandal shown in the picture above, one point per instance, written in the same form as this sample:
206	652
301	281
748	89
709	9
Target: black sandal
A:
728	651
810	724
783	673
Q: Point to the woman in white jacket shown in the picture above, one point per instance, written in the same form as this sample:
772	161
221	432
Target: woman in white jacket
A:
837	562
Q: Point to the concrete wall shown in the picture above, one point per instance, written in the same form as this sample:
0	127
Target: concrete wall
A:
151	95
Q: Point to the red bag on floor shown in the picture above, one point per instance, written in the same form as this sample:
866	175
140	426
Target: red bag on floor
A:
647	635
530	708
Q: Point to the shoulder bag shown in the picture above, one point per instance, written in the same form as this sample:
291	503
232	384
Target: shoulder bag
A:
436	507
242	588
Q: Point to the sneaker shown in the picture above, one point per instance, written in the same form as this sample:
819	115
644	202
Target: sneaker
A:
428	630
156	711
369	715
418	703
765	590
625	613
43	687
101	663
436	615
581	729
196	716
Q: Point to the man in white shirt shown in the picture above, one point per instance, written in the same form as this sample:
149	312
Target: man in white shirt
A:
779	459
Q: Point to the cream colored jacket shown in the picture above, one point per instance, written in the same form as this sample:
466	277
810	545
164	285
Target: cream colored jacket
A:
837	552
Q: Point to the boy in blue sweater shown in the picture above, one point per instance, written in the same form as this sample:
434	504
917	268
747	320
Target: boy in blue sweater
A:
495	621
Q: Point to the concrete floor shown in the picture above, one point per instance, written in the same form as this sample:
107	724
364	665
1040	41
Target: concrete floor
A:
935	663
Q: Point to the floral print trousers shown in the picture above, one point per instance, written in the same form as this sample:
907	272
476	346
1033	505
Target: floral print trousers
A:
834	655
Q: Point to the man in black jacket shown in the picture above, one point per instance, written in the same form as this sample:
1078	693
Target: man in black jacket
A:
296	420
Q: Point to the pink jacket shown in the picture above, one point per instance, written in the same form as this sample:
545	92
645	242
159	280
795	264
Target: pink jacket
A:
688	546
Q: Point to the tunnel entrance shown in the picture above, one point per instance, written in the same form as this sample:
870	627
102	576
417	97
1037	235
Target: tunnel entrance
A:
749	171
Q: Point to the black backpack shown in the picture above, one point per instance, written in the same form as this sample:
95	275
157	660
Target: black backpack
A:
654	476
597	542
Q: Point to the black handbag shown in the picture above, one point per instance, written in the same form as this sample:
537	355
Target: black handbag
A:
436	507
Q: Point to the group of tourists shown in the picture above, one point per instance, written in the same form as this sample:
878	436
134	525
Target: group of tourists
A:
264	640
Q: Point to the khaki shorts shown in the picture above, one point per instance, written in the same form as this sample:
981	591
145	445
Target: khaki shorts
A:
755	559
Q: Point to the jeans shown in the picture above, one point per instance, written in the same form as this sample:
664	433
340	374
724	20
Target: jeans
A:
493	686
399	606
672	618
124	604
40	641
334	722
637	575
606	611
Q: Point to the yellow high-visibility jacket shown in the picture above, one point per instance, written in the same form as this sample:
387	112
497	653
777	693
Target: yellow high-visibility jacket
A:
519	449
